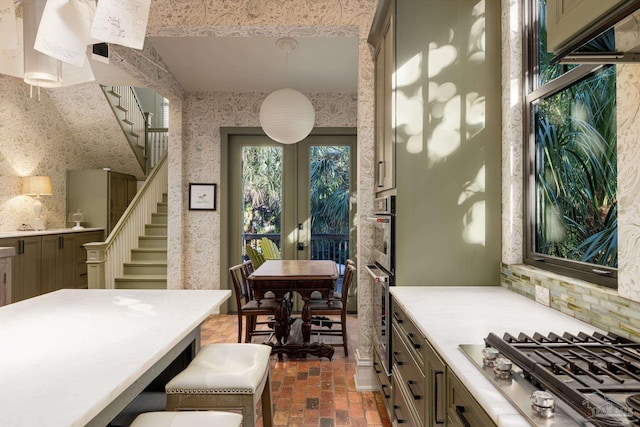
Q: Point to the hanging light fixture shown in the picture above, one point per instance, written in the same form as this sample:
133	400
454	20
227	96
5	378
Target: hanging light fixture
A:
40	70
286	115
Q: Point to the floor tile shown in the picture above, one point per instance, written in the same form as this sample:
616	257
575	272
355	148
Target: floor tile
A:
311	392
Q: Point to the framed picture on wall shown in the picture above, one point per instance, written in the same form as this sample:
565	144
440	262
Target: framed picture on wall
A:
202	197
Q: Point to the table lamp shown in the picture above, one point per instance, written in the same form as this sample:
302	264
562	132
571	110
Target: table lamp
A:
37	186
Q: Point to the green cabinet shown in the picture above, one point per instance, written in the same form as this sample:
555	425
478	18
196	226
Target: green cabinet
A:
26	269
102	195
567	19
424	392
6	258
48	262
57	262
463	409
418	375
382	38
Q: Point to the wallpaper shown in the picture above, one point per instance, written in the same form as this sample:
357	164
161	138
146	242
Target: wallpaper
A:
99	140
194	148
68	128
32	142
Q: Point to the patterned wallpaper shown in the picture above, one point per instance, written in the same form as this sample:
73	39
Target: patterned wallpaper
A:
205	113
68	128
33	137
99	140
194	148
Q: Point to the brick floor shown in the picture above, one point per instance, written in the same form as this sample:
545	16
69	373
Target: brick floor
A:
311	392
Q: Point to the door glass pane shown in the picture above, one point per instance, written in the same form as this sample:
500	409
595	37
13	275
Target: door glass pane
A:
329	201
261	194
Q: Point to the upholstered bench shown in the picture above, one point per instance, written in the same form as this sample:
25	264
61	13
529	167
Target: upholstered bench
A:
188	419
225	377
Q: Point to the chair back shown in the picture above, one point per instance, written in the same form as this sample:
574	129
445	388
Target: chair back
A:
269	249
349	272
257	259
240	277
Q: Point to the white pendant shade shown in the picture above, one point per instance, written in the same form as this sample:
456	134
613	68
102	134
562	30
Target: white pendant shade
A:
287	116
40	70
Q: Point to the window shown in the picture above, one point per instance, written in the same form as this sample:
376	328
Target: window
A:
570	164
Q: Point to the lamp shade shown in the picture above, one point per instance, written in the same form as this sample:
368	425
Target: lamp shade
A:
39	69
287	116
36	186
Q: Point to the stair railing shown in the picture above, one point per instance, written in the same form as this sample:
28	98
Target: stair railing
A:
105	260
157	143
150	143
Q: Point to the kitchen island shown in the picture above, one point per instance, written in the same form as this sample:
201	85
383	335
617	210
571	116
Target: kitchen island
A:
450	316
79	357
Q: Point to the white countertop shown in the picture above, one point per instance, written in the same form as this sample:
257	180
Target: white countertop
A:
450	316
16	233
66	355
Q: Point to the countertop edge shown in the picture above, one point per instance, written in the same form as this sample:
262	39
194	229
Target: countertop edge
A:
477	301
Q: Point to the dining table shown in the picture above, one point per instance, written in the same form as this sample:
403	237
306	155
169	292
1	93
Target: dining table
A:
79	357
304	277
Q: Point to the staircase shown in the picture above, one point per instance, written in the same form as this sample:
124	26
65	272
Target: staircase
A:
148	266
126	107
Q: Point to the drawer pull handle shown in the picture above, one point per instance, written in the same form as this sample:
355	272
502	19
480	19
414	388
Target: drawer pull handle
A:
375	367
413	343
416	396
438	395
395	359
398	420
384	387
461	417
396	317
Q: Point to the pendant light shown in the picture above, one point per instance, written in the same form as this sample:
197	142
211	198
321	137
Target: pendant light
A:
286	115
40	70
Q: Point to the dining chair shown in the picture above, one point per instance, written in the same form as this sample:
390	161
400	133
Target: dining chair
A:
257	259
248	307
334	307
269	249
336	294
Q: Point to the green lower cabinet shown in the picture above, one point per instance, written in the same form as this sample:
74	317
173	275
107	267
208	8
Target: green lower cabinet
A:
48	262
463	409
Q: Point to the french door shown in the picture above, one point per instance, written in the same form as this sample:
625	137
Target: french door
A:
298	195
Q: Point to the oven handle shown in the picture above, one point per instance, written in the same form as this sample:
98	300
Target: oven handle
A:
378	275
378	220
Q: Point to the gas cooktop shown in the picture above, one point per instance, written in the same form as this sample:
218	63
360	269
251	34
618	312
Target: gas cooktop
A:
565	380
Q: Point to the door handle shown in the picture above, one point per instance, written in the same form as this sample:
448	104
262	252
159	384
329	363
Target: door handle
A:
380	173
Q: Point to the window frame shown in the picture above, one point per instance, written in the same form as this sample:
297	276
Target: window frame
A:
533	93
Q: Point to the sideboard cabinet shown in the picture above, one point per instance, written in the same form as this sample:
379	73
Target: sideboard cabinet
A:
49	261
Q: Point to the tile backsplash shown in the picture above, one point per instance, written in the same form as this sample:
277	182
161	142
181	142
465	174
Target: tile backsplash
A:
596	305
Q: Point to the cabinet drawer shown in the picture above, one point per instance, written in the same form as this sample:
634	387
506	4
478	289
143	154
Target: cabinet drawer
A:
403	414
384	383
463	409
409	377
409	334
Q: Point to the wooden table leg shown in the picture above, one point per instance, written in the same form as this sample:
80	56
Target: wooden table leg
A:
282	325
306	322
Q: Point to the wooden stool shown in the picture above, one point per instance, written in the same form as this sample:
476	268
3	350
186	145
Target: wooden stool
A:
188	419
225	377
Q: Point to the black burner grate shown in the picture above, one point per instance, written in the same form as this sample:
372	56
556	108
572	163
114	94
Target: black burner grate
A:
594	374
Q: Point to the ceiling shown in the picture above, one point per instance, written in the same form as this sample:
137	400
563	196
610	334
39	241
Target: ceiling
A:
247	64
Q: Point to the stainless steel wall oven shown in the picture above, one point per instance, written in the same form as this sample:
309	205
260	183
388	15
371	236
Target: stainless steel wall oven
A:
382	272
